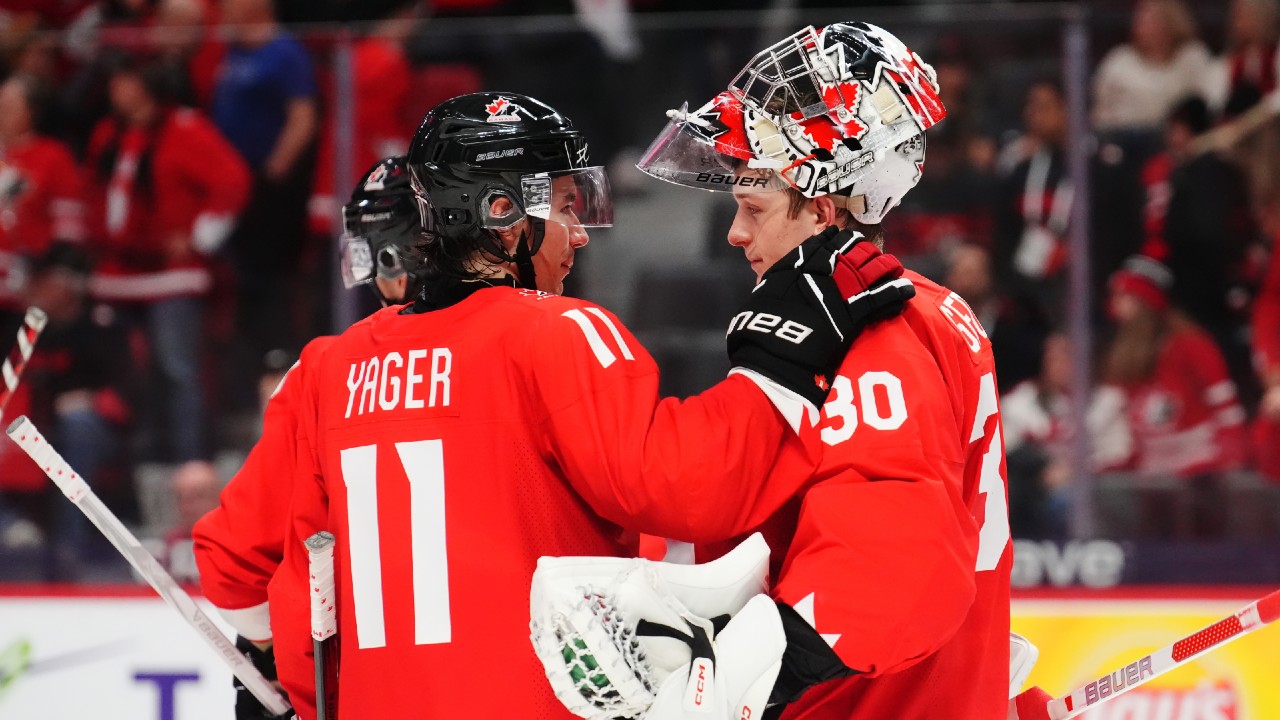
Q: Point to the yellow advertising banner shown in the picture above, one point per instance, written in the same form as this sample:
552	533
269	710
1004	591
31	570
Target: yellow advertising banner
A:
1081	639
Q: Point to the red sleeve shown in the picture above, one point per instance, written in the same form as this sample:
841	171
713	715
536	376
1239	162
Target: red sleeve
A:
882	562
238	545
691	470
1266	323
308	512
212	164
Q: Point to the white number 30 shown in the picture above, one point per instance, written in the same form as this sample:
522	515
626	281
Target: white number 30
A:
842	414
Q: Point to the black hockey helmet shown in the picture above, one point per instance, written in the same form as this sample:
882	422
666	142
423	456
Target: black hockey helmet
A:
381	228
472	150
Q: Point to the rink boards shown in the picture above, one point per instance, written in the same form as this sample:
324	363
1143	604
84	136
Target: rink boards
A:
120	653
1083	637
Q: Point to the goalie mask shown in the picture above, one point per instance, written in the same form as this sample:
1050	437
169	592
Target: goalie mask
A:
837	111
381	229
481	163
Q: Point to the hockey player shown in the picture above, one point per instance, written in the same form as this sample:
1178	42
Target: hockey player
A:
892	566
449	444
239	545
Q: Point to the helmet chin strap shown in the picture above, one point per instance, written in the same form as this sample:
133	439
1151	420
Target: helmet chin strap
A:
526	248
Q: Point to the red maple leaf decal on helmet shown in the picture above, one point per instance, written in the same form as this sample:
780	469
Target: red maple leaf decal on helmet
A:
827	130
497	106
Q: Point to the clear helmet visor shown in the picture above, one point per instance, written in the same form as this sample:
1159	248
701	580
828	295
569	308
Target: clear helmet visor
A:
573	198
687	153
359	264
355	261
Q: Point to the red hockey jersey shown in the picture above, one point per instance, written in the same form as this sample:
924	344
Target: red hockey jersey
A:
239	545
448	450
179	179
898	551
1187	418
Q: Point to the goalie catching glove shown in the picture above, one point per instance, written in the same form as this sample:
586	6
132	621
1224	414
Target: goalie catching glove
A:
630	638
809	306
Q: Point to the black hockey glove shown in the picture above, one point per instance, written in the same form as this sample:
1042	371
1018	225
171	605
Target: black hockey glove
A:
247	706
807	309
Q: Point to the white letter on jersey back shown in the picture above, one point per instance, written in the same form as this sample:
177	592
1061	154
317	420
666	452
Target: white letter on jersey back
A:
369	392
412	380
353	382
389	402
961	316
441	364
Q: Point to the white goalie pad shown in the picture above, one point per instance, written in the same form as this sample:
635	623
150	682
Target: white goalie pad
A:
584	612
1022	657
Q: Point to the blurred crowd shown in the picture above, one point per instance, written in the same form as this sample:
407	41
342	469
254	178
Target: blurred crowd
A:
168	197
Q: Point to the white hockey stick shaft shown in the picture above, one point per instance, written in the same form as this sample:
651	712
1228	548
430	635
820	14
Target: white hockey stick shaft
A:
324	620
16	361
25	434
1122	680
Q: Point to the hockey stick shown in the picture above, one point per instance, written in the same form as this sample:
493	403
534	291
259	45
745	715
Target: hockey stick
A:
1122	680
32	325
77	491
324	623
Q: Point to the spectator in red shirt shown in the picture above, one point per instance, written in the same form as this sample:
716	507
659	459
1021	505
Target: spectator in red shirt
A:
1186	419
41	198
166	191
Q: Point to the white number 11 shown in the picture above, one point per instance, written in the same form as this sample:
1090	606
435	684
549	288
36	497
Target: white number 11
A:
423	464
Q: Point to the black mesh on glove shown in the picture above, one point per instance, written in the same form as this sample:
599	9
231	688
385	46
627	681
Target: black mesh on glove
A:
247	706
807	309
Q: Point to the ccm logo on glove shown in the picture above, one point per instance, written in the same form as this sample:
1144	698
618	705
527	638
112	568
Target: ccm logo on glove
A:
791	331
698	692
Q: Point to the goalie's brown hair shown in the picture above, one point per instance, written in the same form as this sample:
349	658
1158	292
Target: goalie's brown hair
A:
796	203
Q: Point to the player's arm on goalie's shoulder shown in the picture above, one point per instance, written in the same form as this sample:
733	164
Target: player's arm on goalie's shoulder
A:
239	544
882	561
684	469
696	469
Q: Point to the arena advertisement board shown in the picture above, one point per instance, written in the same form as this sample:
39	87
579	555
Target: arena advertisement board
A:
130	657
1080	639
111	658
